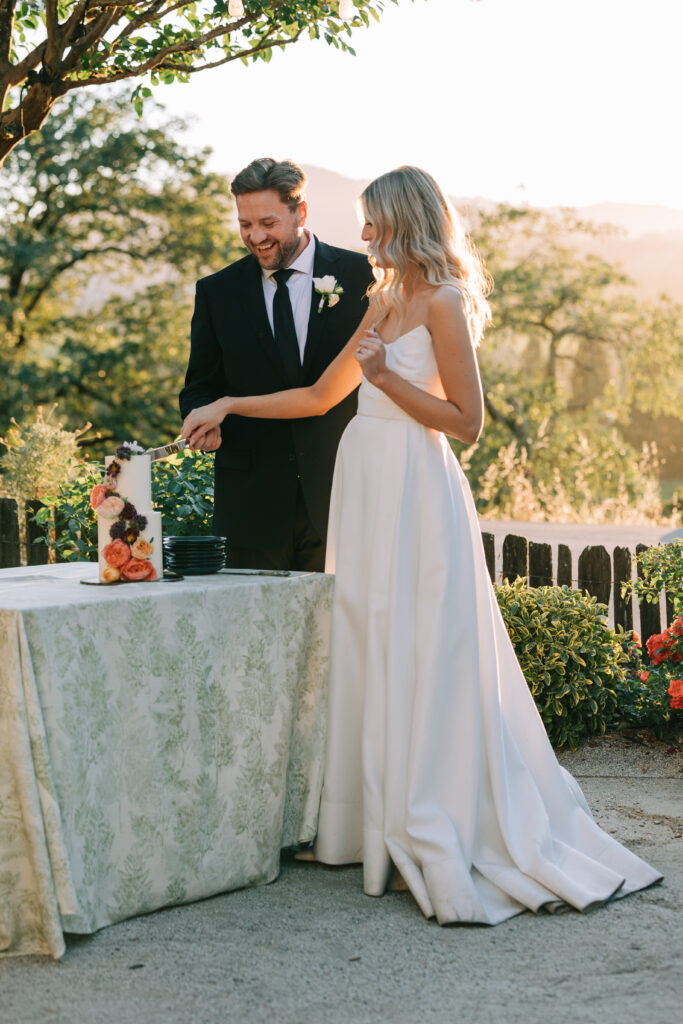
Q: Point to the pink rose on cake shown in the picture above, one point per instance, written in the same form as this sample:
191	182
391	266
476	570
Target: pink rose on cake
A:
97	496
141	548
138	569
117	553
111	507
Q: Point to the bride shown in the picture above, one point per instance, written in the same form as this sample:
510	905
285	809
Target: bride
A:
438	766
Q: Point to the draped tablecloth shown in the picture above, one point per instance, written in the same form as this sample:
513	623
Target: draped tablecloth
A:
159	742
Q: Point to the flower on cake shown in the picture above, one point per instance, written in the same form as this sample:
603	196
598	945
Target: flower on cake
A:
141	548
116	554
99	493
138	569
117	531
126	450
111	507
128	553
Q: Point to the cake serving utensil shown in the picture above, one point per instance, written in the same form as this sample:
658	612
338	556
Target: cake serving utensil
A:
165	450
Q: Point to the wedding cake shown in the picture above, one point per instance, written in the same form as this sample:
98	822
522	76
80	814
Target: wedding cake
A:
128	529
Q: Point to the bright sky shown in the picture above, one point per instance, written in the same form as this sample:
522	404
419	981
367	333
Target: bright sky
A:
548	101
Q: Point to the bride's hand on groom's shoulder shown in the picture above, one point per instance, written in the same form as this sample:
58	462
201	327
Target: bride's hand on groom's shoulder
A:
371	356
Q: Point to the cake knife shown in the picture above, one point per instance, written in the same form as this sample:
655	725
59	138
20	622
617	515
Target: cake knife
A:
165	450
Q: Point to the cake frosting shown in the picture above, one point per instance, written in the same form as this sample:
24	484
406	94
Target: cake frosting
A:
129	540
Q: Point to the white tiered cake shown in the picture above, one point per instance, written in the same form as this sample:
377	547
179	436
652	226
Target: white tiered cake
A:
129	541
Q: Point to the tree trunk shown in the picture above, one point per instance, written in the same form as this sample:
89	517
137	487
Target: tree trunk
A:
28	117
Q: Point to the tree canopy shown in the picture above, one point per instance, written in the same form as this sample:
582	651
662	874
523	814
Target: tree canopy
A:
51	47
95	189
108	222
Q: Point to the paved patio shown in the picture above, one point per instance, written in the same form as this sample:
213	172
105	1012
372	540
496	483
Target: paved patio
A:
312	948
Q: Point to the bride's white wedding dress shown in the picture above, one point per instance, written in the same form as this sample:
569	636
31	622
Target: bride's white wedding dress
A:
437	759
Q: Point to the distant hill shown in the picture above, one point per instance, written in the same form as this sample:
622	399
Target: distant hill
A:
649	244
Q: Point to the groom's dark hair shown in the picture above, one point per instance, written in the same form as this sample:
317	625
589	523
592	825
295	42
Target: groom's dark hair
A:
284	177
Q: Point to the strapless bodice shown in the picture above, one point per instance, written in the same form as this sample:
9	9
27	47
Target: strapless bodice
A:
411	356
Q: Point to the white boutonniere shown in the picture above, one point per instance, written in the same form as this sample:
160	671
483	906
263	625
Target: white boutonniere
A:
328	289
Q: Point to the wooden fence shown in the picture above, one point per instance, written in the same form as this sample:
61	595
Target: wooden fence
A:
36	548
596	573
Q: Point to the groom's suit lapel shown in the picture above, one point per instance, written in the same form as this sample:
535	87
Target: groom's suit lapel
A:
324	262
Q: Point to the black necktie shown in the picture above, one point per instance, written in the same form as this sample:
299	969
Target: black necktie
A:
283	327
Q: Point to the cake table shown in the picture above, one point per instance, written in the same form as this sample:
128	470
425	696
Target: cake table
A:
159	742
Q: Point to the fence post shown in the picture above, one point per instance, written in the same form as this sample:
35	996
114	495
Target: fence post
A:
489	543
564	565
595	572
540	564
10	553
650	619
514	557
669	609
623	606
37	549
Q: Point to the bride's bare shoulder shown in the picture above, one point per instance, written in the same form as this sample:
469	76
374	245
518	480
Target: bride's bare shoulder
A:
446	296
447	302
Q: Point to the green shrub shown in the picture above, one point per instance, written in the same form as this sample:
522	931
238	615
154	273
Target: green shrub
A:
70	522
40	455
570	657
182	490
662	569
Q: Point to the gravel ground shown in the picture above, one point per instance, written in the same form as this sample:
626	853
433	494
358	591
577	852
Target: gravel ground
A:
312	948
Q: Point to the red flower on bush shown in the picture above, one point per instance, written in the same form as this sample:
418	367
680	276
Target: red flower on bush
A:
667	646
676	692
644	676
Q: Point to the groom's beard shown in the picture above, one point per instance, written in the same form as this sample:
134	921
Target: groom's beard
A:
282	253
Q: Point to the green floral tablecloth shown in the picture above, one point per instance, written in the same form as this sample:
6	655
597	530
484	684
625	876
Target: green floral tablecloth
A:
159	742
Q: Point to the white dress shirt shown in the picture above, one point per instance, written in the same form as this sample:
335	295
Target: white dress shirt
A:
300	287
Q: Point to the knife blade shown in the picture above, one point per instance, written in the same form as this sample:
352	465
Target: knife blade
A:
165	450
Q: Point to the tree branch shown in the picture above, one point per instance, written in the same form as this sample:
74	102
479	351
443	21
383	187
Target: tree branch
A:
6	26
147	16
49	279
75	20
99	27
500	417
53	46
159	59
266	45
18	72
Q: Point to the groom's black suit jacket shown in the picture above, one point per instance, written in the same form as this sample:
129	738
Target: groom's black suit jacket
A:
233	352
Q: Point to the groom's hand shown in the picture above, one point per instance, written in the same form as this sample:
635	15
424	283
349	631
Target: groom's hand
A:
209	441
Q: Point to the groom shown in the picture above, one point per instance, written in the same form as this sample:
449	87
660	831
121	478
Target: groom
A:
260	326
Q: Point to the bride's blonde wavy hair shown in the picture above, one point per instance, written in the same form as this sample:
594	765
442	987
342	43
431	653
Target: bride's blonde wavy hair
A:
423	230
